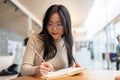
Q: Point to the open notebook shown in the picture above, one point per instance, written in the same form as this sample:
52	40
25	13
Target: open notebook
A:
63	73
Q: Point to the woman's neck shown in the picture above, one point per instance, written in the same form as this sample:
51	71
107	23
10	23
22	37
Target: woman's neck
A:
58	39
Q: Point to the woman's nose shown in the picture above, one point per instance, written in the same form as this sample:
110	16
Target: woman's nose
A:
54	27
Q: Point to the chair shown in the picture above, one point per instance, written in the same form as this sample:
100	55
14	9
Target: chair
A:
109	57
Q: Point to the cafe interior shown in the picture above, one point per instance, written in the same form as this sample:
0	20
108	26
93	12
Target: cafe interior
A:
95	27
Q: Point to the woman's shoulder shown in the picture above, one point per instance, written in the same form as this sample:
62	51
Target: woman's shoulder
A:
36	36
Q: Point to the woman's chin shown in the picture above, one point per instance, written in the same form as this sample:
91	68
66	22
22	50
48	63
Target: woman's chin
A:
56	38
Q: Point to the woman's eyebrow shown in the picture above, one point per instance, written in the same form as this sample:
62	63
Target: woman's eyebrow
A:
58	22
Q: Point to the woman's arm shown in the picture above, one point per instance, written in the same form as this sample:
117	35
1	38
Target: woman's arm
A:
28	67
28	60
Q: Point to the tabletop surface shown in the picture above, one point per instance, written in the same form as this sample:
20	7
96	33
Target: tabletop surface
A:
87	75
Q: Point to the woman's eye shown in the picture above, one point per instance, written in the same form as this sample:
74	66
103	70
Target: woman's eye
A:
59	25
49	25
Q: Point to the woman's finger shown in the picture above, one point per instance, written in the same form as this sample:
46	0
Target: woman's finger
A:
76	65
43	71
48	66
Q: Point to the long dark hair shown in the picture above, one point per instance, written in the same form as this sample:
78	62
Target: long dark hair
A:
50	48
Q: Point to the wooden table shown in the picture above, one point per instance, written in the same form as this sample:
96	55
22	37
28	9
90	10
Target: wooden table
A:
117	77
87	75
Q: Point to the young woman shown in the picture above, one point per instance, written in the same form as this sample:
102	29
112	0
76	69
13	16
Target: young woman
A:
54	44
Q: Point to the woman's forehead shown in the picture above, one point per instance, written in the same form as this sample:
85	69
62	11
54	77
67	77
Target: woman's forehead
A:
55	17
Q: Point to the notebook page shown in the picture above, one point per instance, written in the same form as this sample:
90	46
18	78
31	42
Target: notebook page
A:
65	71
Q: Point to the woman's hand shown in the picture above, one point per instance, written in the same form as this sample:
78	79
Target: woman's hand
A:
44	68
76	65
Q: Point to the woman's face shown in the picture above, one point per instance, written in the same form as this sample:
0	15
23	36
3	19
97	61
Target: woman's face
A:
54	27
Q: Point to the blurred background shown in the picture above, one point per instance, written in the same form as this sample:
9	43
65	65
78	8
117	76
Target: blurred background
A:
95	26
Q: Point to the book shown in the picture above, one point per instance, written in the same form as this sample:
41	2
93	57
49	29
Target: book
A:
63	73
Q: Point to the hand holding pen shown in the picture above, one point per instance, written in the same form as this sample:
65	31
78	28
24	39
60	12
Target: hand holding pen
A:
44	67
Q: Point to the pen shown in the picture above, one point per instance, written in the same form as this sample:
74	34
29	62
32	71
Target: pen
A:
38	54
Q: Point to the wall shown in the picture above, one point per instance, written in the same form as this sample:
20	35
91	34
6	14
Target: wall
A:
6	35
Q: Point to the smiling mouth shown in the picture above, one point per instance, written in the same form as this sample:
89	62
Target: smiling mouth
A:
54	33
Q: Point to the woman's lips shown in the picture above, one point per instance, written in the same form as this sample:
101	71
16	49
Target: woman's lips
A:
54	33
